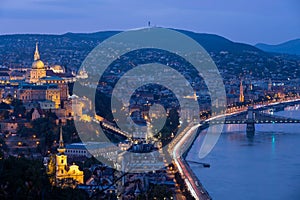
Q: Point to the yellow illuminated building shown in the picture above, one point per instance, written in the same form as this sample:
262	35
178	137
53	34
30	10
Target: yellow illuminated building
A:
40	87
38	68
242	98
62	175
30	92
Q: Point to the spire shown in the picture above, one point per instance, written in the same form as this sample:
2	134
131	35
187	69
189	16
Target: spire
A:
270	85
36	53
61	141
242	98
61	148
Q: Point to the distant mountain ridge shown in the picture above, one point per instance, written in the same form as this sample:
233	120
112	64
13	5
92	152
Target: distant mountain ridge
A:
290	47
216	43
70	49
210	42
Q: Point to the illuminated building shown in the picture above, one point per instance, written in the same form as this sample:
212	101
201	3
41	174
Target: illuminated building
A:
40	87
57	69
62	174
194	96
38	68
62	85
242	98
30	92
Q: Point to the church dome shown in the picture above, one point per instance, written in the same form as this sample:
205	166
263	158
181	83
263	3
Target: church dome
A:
57	69
38	64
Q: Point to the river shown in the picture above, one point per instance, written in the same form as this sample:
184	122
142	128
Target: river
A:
265	167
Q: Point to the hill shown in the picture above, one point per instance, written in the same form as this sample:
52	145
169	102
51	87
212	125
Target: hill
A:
216	43
290	47
70	49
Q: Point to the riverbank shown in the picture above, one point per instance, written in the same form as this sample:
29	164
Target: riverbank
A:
263	167
206	125
192	181
193	184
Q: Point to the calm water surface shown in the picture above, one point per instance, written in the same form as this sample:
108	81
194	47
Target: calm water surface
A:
267	167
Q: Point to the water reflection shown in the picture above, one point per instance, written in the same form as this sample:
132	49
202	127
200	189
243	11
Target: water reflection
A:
266	166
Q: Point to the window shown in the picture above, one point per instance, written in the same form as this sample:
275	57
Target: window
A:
62	161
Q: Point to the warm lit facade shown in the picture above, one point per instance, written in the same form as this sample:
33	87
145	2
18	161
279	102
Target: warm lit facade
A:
62	85
242	98
29	92
40	87
38	68
62	174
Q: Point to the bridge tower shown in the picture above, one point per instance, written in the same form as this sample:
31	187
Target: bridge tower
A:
250	130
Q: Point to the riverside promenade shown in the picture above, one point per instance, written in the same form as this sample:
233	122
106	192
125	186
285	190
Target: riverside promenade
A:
193	184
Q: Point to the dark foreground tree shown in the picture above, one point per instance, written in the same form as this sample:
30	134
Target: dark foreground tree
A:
21	178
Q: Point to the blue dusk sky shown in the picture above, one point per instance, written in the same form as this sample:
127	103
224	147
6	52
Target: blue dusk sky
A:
268	21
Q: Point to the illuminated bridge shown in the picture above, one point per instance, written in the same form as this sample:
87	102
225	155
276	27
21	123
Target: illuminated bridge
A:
251	117
116	130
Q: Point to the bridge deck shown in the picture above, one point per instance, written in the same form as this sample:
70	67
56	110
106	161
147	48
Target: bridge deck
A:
259	118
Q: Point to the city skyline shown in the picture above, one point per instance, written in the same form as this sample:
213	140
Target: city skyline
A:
271	22
182	106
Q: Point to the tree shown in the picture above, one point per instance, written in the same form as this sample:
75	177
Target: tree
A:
46	130
21	178
159	192
19	109
3	148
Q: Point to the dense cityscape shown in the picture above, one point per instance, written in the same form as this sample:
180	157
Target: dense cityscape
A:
38	109
156	100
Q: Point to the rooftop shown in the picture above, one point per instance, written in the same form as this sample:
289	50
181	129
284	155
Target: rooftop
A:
89	145
50	78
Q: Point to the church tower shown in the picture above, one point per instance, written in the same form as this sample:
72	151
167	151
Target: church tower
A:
270	85
242	98
38	68
36	53
61	158
63	172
